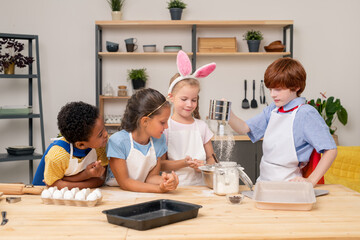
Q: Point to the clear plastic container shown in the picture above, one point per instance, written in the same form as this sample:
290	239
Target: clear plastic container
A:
226	178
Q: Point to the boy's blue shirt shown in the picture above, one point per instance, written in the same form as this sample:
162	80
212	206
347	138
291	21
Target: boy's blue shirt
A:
309	129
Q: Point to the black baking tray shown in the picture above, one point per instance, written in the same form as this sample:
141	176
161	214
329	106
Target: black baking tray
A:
152	214
20	151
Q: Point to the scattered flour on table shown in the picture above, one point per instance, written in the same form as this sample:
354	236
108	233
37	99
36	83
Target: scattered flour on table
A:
206	193
117	196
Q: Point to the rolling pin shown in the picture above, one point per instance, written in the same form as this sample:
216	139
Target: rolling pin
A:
20	189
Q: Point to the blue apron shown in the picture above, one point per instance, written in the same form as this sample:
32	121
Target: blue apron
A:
39	175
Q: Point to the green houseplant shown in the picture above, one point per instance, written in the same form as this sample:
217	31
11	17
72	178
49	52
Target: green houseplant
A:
138	77
12	56
328	107
116	6
253	40
176	7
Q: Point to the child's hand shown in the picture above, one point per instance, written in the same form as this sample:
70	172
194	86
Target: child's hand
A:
299	179
95	169
170	181
194	163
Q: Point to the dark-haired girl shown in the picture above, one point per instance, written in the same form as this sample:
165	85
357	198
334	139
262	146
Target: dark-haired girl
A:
135	151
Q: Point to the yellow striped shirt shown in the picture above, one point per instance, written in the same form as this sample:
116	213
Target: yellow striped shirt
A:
57	161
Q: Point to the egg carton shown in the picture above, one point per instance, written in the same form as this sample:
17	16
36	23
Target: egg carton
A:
71	202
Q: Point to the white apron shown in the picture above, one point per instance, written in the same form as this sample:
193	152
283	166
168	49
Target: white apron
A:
279	161
138	164
186	143
75	167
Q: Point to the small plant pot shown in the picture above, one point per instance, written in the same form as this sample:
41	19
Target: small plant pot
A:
116	15
176	13
253	45
10	69
138	83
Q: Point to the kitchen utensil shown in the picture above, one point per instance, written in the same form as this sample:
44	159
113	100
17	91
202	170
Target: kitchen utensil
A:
215	158
4	219
253	101
318	193
235	198
262	93
149	48
13	199
19	189
152	214
112	47
20	150
219	110
226	178
207	172
172	48
284	195
245	178
275	46
245	102
131	47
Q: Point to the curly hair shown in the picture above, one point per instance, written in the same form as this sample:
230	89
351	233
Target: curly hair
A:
286	73
76	121
142	103
191	82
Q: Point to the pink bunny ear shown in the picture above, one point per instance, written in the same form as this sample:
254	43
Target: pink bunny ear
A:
205	70
183	63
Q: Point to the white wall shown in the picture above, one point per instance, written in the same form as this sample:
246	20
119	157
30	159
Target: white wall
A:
325	41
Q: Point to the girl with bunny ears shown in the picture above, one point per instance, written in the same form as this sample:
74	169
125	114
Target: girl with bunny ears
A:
188	137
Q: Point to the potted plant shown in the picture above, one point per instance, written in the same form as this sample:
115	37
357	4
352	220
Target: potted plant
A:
176	7
327	107
253	40
12	56
116	6
138	77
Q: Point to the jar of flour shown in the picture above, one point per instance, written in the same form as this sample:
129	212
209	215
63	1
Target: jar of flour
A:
226	178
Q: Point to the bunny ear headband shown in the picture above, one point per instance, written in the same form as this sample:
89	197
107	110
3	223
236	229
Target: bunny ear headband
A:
184	68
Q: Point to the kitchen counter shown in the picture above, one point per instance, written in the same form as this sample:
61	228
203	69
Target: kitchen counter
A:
336	215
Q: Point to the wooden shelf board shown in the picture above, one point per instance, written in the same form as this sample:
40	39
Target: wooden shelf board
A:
244	54
117	54
112	124
199	23
113	97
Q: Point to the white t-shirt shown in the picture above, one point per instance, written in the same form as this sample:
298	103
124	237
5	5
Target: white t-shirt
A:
206	133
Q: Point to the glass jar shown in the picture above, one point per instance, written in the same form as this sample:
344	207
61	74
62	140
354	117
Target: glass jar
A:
122	92
108	90
226	178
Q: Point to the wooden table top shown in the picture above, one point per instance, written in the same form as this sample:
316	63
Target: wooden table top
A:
336	215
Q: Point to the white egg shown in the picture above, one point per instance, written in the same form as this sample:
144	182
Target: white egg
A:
52	190
63	190
86	191
98	192
68	195
91	197
75	190
57	194
80	196
45	193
